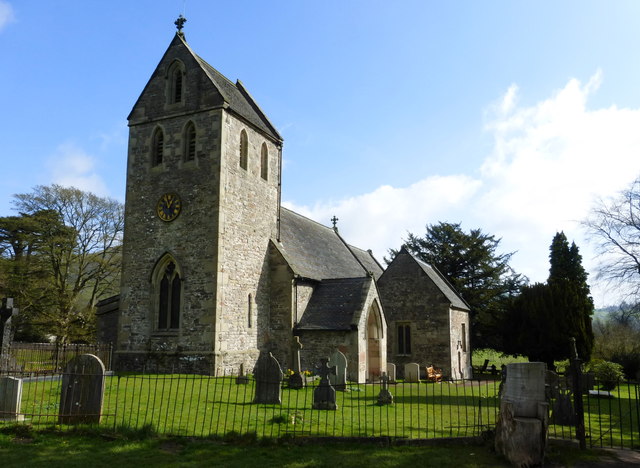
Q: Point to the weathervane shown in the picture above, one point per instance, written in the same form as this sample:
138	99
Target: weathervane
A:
180	24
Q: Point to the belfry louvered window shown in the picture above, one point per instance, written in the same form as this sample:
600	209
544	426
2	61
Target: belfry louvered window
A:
157	147
190	142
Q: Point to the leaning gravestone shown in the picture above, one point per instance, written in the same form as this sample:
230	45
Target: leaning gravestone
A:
385	397
10	398
82	390
324	395
295	380
268	375
242	379
391	372
412	372
339	379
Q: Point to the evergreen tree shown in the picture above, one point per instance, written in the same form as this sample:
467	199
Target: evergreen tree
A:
544	317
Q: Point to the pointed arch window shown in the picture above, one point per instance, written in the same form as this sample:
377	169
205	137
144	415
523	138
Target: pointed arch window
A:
169	295
175	88
244	150
264	162
157	147
190	142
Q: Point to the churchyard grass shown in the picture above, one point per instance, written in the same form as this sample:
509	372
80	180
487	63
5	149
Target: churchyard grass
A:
21	445
203	406
193	405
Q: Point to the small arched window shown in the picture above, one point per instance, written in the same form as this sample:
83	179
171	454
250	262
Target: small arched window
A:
190	142
264	162
157	147
175	89
244	150
169	290
249	311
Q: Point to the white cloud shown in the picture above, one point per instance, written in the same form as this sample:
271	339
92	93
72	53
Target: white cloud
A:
6	14
549	162
71	166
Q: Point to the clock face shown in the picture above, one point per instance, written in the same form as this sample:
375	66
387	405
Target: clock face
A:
168	207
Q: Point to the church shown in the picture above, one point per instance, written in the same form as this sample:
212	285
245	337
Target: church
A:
215	270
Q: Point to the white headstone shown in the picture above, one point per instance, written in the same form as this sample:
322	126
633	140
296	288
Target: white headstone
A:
10	398
339	379
391	371
412	372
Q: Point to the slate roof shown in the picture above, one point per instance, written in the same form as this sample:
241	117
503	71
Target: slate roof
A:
442	284
238	98
316	252
334	304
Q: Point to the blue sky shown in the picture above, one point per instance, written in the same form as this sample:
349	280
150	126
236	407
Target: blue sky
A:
507	116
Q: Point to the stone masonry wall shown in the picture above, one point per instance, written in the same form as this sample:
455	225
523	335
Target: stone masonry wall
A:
248	220
191	239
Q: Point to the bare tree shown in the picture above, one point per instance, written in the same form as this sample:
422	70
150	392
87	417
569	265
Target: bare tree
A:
614	225
84	263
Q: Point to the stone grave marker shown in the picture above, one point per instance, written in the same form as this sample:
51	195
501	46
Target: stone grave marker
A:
339	379
324	395
296	381
7	312
412	372
82	390
268	375
242	379
391	372
10	398
385	397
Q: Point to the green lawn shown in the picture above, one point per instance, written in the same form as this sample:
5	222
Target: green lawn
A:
203	406
23	447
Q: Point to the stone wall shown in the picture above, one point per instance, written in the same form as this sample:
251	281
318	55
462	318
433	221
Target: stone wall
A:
409	297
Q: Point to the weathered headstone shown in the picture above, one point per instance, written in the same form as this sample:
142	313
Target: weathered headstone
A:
324	395
391	372
10	398
7	312
385	397
82	390
268	375
521	430
339	379
296	381
412	372
242	379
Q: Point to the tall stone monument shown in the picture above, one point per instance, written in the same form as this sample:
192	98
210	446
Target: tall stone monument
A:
7	312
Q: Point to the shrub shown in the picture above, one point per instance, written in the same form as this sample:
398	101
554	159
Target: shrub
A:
607	373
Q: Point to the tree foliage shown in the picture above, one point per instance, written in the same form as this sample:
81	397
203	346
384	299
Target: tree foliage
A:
545	316
472	264
58	256
615	226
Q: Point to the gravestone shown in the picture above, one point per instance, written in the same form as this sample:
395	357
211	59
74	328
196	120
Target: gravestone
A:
7	312
521	429
268	375
10	398
412	372
391	372
324	395
385	397
82	390
242	379
339	379
296	381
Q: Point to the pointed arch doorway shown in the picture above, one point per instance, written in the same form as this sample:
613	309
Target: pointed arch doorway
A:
375	337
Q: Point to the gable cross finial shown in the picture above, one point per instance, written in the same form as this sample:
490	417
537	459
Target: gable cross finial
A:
335	220
180	24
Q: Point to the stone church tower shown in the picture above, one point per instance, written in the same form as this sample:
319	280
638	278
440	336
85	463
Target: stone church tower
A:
202	203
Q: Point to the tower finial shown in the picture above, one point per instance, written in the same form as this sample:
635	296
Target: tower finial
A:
180	24
334	220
